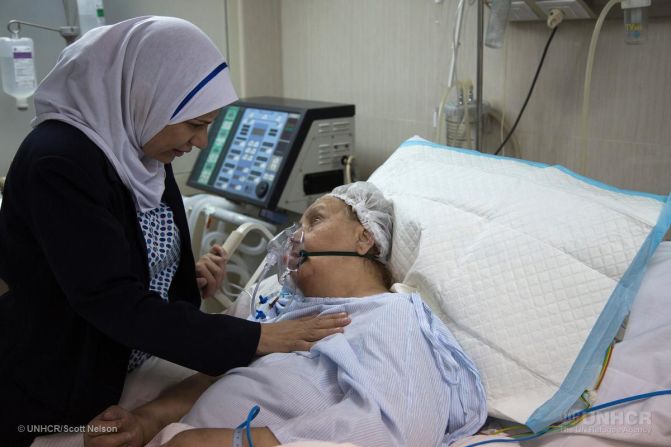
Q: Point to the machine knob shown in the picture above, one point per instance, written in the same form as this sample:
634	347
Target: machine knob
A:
262	189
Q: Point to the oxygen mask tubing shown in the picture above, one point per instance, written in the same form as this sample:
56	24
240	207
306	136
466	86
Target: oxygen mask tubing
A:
287	251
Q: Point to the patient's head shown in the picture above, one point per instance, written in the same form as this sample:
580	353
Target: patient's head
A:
352	218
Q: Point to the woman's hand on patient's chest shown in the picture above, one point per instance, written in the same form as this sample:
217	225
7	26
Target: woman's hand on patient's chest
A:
299	335
211	271
117	426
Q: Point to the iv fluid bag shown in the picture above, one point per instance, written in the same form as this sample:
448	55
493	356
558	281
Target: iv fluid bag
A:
17	69
91	15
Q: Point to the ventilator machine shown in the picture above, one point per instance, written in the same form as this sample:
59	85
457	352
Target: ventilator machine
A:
266	161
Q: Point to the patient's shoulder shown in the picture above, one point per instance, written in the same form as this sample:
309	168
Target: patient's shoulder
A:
392	301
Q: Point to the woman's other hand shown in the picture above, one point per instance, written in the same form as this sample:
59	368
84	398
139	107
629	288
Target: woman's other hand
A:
211	271
117	426
299	335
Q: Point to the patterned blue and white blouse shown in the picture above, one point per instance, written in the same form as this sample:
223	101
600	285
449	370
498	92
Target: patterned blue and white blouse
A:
163	250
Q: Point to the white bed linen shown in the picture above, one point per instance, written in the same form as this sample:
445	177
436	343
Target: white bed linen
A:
641	363
532	267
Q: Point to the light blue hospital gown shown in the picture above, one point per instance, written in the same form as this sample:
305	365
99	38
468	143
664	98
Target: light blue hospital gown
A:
163	249
396	377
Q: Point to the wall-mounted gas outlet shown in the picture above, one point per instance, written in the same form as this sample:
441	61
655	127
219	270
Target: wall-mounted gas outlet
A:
572	9
521	10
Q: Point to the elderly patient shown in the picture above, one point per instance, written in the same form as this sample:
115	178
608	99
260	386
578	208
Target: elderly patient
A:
394	377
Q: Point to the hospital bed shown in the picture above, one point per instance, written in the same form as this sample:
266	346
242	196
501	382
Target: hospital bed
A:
535	269
640	363
643	353
496	240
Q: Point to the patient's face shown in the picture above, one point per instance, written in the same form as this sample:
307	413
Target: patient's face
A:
327	226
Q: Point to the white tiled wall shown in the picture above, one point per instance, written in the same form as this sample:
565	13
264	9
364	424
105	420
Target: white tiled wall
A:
390	58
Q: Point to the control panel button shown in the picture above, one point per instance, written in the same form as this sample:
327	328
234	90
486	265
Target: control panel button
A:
262	189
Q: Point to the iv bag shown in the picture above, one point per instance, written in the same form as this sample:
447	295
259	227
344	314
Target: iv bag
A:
17	69
91	15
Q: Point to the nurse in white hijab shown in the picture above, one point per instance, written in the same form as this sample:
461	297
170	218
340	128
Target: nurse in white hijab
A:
122	85
144	91
93	238
143	102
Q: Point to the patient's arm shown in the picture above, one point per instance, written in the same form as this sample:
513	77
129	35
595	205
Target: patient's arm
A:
174	402
119	427
221	437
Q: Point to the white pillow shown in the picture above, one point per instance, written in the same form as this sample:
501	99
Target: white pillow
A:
532	267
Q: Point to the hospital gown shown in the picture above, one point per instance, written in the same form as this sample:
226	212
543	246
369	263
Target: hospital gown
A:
396	377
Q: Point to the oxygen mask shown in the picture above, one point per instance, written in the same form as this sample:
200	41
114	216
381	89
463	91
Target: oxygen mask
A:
284	250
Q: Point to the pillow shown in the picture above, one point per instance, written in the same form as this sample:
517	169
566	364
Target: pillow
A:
533	267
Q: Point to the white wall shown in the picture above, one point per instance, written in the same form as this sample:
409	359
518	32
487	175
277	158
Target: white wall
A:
209	15
256	46
390	58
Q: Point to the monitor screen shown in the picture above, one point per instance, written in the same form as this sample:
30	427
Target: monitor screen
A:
248	147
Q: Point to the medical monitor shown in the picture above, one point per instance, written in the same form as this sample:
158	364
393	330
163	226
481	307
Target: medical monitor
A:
275	152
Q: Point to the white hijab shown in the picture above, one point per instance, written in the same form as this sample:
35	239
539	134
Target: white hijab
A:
121	84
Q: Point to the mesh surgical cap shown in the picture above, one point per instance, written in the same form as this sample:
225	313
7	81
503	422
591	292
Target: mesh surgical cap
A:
373	210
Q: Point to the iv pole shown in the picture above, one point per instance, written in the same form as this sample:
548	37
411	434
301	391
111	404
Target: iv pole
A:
69	32
479	80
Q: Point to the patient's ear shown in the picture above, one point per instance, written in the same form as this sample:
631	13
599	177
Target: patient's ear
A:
364	242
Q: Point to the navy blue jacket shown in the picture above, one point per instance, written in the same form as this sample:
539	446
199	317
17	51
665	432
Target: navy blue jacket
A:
74	257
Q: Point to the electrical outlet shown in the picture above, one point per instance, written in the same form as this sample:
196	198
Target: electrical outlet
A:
572	9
